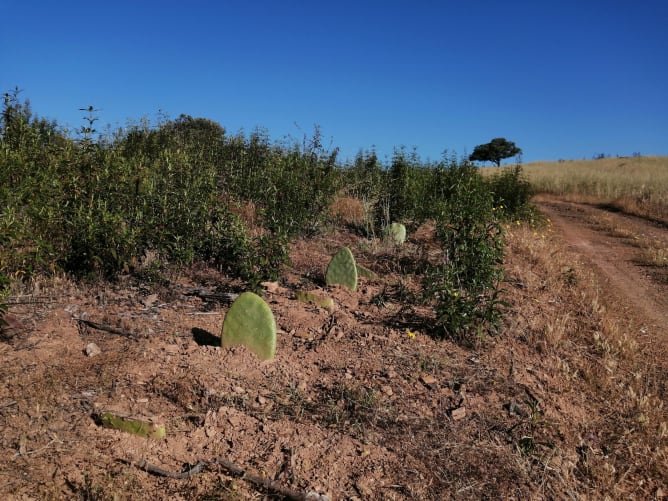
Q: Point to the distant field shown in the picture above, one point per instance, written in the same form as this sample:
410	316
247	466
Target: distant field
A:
637	185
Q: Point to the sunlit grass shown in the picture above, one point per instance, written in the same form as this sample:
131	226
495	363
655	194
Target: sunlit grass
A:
637	185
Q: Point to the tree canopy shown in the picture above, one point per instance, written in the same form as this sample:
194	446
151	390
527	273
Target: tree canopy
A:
495	151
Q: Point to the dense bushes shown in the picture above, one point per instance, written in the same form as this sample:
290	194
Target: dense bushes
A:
97	205
467	210
185	191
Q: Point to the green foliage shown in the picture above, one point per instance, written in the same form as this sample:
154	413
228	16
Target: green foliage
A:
512	193
495	151
96	205
291	185
342	270
250	323
464	285
4	294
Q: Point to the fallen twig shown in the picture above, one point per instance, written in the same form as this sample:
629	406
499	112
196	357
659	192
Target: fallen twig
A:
206	295
106	328
234	470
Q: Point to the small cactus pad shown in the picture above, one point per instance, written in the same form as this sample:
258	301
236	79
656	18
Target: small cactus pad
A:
396	232
311	297
365	272
342	270
250	322
135	426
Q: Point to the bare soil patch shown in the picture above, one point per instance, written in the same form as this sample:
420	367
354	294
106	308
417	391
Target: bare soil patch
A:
359	403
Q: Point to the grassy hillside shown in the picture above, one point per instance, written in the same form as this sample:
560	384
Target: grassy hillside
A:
637	185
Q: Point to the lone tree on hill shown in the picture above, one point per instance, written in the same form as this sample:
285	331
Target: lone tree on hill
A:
495	151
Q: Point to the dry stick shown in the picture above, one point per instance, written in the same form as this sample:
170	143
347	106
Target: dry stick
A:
200	466
106	328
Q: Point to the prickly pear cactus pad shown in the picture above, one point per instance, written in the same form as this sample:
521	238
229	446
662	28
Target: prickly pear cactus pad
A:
396	232
342	270
250	323
134	426
310	297
365	272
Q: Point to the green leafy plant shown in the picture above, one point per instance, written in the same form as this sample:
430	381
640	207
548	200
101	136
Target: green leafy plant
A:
512	193
4	294
464	286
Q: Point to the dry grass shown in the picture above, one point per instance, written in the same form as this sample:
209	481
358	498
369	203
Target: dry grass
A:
623	448
637	185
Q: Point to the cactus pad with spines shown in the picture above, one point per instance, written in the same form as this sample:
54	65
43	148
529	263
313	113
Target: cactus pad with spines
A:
250	323
342	270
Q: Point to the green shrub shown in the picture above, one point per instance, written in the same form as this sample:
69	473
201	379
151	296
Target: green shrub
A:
464	286
512	192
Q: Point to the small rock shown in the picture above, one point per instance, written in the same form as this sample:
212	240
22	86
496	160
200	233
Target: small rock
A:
387	390
363	487
238	390
261	400
459	413
92	349
150	300
270	286
428	380
171	349
9	325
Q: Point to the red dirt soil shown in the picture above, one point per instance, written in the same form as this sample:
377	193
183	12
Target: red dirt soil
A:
359	403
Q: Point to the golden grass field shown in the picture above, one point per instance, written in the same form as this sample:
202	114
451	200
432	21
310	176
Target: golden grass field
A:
636	185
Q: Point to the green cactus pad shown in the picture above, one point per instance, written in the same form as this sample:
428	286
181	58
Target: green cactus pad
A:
311	297
365	272
342	270
250	323
396	232
134	426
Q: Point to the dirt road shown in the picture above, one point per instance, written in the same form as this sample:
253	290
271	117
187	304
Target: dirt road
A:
617	246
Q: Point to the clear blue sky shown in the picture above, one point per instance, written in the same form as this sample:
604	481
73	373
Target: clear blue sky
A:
565	79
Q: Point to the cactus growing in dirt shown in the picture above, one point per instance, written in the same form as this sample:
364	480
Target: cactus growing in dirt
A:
365	272
138	427
310	297
342	270
396	233
250	323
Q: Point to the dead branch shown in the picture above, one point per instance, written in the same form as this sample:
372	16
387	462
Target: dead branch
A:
233	470
209	295
106	328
